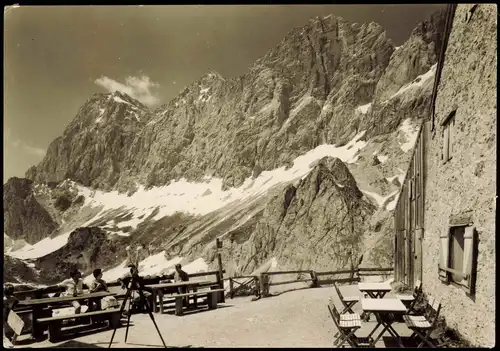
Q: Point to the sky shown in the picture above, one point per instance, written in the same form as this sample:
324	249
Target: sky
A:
56	57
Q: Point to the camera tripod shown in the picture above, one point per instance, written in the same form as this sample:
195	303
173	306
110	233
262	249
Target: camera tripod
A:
135	285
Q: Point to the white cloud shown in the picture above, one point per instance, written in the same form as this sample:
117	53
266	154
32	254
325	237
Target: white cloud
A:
137	87
11	141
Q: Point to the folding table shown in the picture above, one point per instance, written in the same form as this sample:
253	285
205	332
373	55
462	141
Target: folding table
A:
382	308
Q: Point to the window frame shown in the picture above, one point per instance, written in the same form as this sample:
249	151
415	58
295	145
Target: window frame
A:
470	259
450	254
447	135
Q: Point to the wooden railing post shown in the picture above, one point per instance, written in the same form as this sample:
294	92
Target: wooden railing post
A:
221	270
220	283
315	281
231	291
264	285
257	286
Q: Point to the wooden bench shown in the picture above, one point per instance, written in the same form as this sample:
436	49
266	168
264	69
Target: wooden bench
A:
212	296
55	323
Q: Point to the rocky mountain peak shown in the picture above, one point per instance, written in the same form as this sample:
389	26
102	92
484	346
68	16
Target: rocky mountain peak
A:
333	170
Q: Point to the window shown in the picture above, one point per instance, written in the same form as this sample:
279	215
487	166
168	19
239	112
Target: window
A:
447	125
456	243
458	251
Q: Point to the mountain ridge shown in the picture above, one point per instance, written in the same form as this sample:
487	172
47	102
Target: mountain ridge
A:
247	145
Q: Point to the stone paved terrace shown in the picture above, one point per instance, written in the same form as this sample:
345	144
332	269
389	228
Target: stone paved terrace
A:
296	318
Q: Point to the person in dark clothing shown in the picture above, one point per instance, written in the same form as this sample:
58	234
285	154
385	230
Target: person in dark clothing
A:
181	276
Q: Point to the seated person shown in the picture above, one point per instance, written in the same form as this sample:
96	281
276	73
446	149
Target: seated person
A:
74	288
99	285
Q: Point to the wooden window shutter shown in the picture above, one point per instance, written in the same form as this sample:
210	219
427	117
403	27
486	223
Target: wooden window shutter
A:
444	242
450	137
470	257
446	140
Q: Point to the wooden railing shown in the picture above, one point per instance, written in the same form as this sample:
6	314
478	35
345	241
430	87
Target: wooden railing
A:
251	283
316	281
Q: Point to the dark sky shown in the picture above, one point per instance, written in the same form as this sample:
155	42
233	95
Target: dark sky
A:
54	55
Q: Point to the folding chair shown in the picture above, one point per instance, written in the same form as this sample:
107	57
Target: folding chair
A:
411	300
347	301
423	326
346	327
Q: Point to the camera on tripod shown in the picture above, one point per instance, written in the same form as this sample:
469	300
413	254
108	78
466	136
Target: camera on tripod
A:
135	283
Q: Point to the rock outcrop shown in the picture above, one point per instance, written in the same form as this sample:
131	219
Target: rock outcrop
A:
24	217
87	249
319	222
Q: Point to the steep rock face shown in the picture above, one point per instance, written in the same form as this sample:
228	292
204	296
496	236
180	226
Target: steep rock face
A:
229	128
312	81
24	218
413	58
318	223
93	147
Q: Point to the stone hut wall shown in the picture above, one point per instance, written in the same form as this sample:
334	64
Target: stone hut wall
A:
466	183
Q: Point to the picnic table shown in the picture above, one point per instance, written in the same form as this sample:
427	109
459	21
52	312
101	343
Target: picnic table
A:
43	308
157	290
384	309
375	290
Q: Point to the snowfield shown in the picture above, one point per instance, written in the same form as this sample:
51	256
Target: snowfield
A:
192	198
41	248
411	133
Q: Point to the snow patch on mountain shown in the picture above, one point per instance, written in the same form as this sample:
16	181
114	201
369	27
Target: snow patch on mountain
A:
382	158
303	102
380	200
411	133
392	205
363	108
417	82
120	100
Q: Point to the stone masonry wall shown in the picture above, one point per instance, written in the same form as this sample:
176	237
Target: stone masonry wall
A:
467	181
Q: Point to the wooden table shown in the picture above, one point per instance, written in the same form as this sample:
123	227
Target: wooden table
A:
157	290
382	308
375	290
38	305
